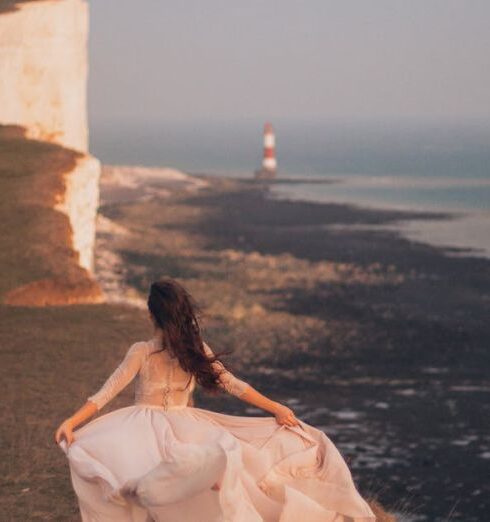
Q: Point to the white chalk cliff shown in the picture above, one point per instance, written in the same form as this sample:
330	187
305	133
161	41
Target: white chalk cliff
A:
80	203
43	88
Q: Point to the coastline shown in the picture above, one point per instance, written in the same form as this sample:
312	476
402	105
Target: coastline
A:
463	231
364	332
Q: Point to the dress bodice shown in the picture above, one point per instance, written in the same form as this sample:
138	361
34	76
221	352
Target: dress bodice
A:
160	380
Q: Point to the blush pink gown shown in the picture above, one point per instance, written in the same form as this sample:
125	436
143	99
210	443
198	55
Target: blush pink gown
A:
159	459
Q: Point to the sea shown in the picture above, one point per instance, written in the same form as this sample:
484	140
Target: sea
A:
428	166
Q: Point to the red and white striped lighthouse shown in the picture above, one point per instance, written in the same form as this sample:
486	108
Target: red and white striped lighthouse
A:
269	161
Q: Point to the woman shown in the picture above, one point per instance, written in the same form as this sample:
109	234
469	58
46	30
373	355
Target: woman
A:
164	460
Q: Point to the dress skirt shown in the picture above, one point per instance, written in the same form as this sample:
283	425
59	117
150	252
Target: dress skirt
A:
143	463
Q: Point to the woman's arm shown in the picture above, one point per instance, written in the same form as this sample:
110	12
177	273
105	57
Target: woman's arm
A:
282	413
66	428
247	393
119	379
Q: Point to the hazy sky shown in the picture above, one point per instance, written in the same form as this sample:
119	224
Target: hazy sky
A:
191	60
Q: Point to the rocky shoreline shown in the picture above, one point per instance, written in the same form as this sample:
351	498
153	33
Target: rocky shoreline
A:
380	341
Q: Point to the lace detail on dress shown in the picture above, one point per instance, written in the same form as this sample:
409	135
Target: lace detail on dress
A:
233	385
160	380
121	376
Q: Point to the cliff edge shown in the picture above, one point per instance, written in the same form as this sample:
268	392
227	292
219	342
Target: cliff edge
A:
39	265
50	184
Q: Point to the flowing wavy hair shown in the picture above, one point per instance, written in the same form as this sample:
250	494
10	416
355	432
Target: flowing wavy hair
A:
176	312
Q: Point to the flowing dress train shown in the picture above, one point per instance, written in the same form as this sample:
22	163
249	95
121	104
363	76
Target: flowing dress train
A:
164	461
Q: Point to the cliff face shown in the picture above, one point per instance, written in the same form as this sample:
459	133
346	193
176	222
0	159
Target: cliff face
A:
43	83
43	70
79	202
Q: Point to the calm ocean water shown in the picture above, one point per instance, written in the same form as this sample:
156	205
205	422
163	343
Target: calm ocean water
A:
409	166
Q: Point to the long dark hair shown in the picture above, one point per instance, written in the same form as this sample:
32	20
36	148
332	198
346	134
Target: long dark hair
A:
176	312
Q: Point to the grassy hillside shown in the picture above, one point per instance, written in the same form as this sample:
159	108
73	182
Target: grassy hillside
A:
51	359
38	265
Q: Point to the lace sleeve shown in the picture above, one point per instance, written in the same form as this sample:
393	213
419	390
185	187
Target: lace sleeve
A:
228	381
120	377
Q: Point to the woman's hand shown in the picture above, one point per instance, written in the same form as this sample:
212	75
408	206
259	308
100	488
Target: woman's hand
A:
285	416
65	431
